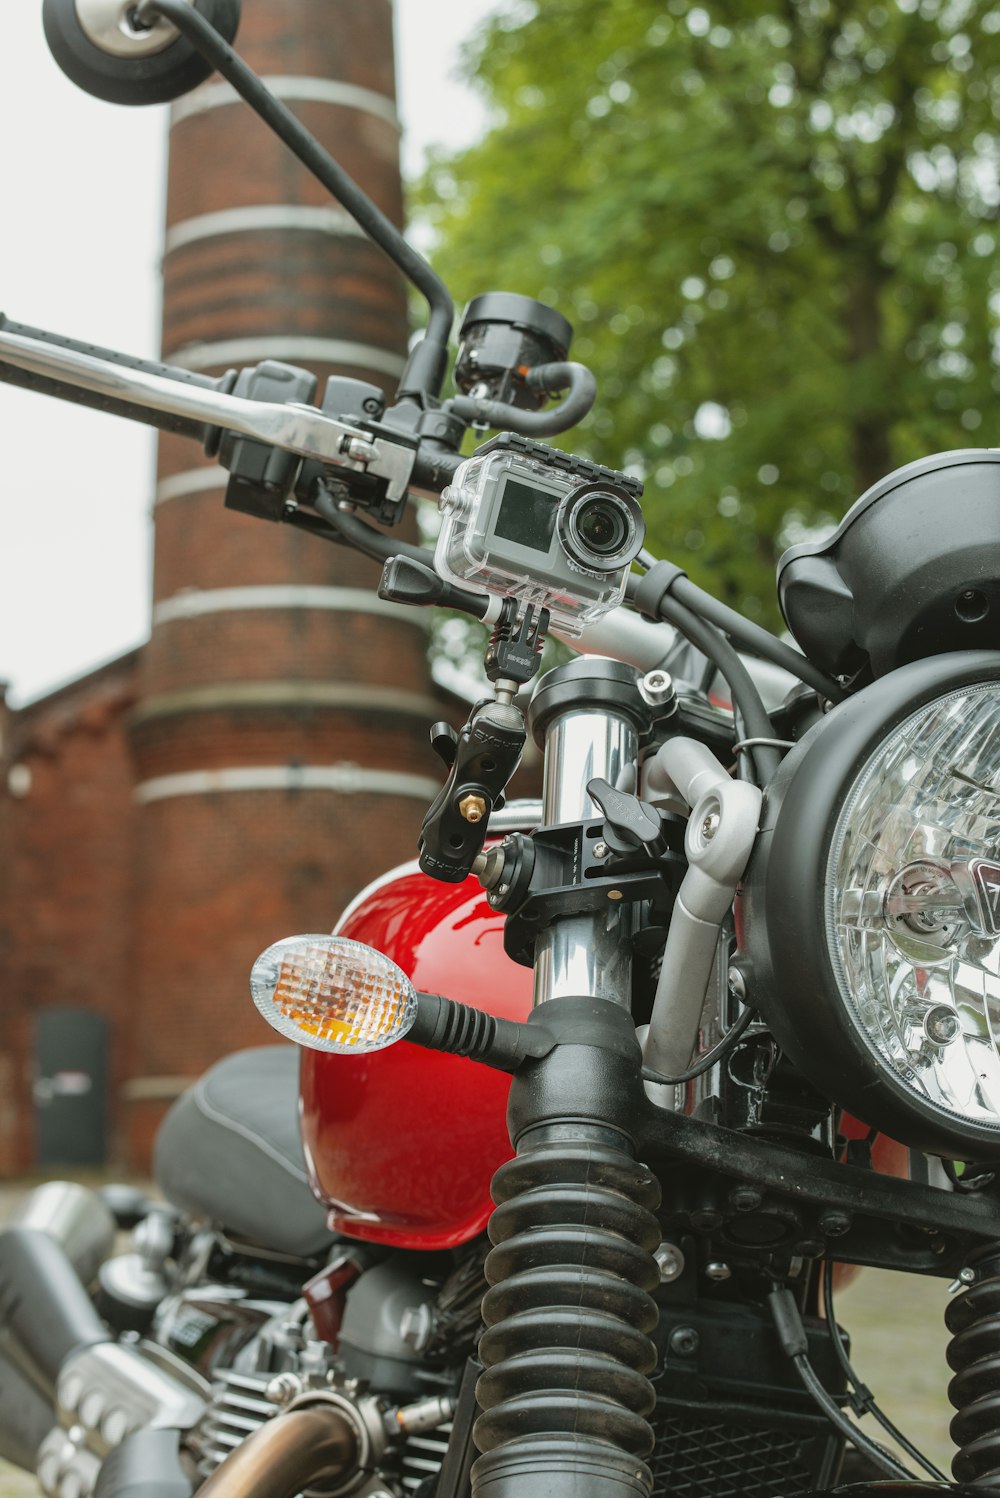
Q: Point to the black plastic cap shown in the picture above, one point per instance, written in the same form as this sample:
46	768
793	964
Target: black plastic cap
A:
520	312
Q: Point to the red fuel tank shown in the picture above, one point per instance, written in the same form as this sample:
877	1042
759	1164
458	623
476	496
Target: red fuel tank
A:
402	1144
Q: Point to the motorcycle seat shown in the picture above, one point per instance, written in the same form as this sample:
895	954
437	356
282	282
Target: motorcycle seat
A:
229	1150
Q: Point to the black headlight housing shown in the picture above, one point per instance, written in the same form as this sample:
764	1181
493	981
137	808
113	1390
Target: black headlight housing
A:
891	796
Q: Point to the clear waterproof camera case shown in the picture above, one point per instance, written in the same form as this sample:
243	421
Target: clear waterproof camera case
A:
526	521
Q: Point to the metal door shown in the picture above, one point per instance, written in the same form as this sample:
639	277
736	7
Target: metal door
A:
70	1088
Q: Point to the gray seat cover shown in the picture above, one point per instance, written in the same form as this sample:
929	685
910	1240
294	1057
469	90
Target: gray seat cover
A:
229	1150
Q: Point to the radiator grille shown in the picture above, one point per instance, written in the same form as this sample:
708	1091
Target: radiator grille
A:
719	1458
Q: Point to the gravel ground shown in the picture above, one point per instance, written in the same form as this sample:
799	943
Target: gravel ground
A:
897	1335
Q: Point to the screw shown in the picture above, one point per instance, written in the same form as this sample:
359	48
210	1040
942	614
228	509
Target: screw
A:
967	1275
710	826
835	1224
600	850
684	1341
283	1388
706	1218
670	1261
472	808
745	1198
716	1270
809	1248
737	983
358	449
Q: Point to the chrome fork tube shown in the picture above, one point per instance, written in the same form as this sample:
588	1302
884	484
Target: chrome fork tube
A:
586	954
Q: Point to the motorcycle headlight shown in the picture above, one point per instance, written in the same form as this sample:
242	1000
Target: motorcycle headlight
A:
872	905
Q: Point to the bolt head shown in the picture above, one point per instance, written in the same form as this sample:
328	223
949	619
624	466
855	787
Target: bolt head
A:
718	1271
710	826
670	1262
835	1224
684	1341
745	1198
472	808
967	1276
600	850
615	894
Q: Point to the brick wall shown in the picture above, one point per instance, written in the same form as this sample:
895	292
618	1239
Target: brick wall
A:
66	830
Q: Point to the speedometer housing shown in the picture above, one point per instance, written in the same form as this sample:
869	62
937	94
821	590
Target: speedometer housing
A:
871	795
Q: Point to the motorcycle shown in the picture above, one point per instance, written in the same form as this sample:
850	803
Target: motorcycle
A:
760	910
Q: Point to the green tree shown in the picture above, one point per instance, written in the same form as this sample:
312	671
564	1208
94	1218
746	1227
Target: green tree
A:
772	223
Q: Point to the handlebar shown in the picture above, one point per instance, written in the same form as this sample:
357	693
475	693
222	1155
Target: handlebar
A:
21	363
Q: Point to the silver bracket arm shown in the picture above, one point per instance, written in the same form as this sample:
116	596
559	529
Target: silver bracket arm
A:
720	834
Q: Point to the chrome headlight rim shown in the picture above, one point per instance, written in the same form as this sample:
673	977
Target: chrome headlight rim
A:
791	965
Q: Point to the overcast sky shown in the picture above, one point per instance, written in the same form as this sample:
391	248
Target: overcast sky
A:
80	226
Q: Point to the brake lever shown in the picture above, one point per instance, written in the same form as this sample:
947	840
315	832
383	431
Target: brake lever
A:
295	429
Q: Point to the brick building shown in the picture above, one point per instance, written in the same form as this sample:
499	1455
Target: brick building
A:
240	775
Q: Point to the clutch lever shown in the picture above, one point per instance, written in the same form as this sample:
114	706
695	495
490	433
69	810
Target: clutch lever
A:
300	430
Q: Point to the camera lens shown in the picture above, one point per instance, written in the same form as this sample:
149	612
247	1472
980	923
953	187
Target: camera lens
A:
601	526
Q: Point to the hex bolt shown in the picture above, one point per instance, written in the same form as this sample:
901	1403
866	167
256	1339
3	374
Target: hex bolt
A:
472	808
684	1342
670	1262
835	1224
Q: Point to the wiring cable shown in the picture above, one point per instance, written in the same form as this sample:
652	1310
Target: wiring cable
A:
862	1400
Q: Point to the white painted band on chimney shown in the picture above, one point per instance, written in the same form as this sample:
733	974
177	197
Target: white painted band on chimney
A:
192	603
260	218
344	779
317	350
191	481
290	88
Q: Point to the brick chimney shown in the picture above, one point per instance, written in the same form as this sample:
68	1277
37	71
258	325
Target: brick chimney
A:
280	736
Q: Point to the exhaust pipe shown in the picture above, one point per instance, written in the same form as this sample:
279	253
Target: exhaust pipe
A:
70	1395
26	1416
320	1442
44	1310
76	1218
56	1243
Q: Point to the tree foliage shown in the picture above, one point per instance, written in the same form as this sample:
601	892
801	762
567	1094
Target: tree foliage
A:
773	224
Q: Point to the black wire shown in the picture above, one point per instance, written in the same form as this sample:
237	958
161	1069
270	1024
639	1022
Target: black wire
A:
868	1403
875	1453
746	698
203	36
795	1344
364	537
710	1059
755	639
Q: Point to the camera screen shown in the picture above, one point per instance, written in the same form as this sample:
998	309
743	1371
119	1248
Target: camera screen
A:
526	515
